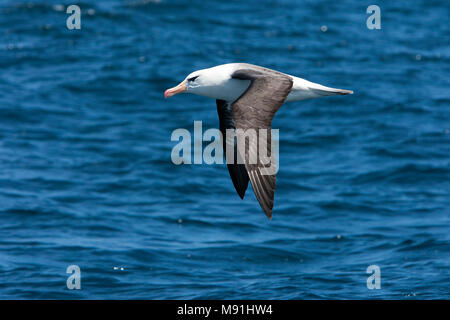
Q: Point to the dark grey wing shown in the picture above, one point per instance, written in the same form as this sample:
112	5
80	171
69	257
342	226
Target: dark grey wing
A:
255	109
237	171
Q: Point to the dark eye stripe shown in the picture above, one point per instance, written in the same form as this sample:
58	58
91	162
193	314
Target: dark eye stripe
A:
193	78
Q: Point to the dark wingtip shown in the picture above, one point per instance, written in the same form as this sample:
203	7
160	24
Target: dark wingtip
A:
241	193
240	187
268	211
239	177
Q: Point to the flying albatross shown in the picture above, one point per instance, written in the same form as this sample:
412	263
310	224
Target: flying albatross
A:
247	97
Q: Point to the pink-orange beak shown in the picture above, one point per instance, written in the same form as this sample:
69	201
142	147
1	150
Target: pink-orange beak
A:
182	87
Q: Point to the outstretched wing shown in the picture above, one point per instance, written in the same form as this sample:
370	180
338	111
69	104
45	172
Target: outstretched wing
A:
237	171
255	109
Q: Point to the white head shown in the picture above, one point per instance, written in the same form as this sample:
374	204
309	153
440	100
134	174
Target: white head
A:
209	82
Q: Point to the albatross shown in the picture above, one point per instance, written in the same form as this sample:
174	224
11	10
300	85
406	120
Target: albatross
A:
247	97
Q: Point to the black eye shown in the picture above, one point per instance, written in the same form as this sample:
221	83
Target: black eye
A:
193	78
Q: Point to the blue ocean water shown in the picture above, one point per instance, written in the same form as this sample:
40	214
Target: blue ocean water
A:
86	176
